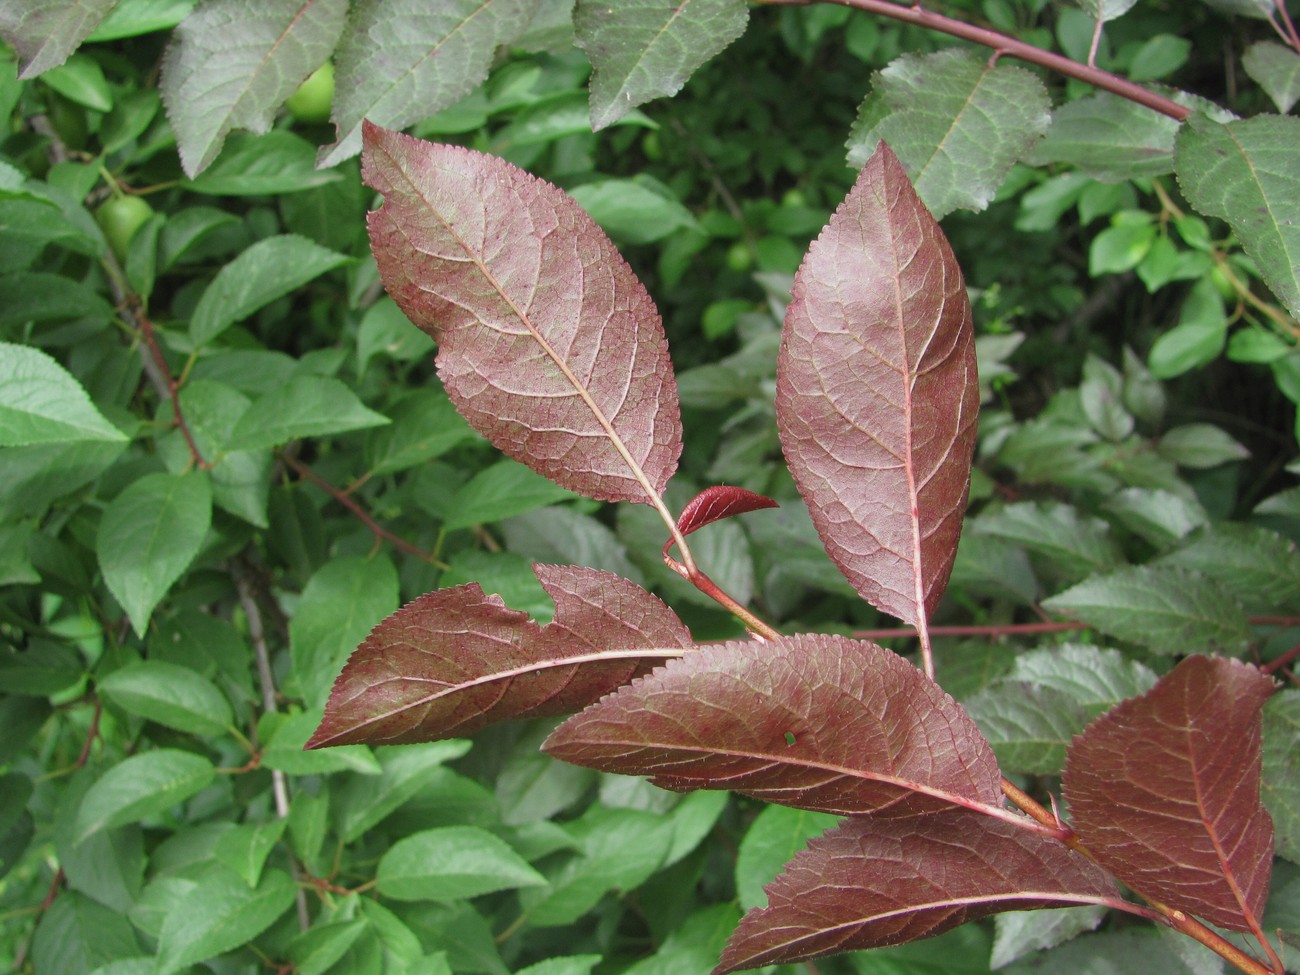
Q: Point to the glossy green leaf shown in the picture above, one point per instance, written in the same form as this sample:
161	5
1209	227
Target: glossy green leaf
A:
131	18
141	786
81	80
149	535
506	488
956	121
364	801
644	49
1200	445
41	402
771	841
1276	69
36	296
403	60
1028	726
633	211
305	406
268	270
1161	517
245	847
1248	173
78	934
1167	610
451	863
263	165
1197	339
1258	566
1280	779
44	32
232	63
385	331
1094	678
284	751
170	694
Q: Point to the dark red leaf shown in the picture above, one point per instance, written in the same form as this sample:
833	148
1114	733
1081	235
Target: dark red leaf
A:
814	721
715	503
1164	791
547	342
885	881
456	660
877	394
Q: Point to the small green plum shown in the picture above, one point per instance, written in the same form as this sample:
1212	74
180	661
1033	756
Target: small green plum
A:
312	101
740	257
120	217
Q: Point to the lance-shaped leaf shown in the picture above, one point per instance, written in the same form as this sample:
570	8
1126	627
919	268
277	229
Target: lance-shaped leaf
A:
644	49
44	32
404	60
715	503
813	721
877	395
885	881
232	63
456	660
547	343
1248	173
1164	791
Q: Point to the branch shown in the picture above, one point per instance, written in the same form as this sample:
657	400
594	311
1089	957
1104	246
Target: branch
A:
1010	47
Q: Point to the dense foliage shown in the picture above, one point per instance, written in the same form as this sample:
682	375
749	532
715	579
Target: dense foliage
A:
227	456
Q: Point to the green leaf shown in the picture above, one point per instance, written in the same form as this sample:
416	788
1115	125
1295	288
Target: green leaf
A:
149	535
1120	248
1019	933
1258	566
339	605
140	787
131	18
956	121
1200	446
771	841
268	270
41	402
1199	337
1093	678
504	489
425	425
1161	517
451	863
1070	544
44	32
1280	775
1028	726
1168	610
34	296
1248	173
244	848
170	694
384	330
220	913
284	751
365	801
78	934
42	668
305	406
403	60
232	63
1105	10
1277	70
633	211
315	950
81	80
263	165
644	49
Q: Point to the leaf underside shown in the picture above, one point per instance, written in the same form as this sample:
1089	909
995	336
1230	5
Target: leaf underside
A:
1164	791
812	721
457	660
45	32
877	881
877	394
547	343
716	503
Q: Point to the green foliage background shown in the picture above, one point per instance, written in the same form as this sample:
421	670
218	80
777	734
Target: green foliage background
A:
169	630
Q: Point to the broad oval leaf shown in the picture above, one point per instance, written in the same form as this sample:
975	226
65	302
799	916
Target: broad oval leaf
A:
813	721
451	863
548	344
877	395
170	694
878	881
1163	789
643	49
715	503
44	32
456	660
41	402
141	786
1277	70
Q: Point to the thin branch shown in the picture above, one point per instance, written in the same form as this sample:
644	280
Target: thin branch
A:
1028	629
1010	47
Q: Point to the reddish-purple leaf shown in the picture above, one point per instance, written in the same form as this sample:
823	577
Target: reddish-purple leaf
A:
547	342
1163	790
456	660
885	881
813	721
715	503
877	394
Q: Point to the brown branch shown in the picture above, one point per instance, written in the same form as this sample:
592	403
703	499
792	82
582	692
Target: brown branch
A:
1010	47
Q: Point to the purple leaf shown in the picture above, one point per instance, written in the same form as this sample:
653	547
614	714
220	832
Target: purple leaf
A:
877	394
1163	790
456	660
715	503
884	881
548	344
813	721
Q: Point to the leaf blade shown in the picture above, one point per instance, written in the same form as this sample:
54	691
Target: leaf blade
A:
450	863
41	402
45	32
139	787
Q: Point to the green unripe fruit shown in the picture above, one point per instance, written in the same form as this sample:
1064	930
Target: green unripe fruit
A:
1223	283
312	101
740	257
794	199
120	218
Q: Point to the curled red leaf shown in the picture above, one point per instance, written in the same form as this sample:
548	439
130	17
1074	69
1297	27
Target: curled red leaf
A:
1163	790
457	660
715	503
813	721
877	393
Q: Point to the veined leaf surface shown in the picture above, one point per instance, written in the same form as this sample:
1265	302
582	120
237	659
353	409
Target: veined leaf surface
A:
877	394
812	721
547	343
44	32
456	660
879	881
715	503
1164	791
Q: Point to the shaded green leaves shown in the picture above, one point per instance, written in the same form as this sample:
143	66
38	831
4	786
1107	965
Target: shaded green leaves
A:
505	489
305	406
149	535
1248	174
232	63
41	402
1280	781
139	787
170	694
644	49
1277	70
956	121
772	839
451	863
1109	138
